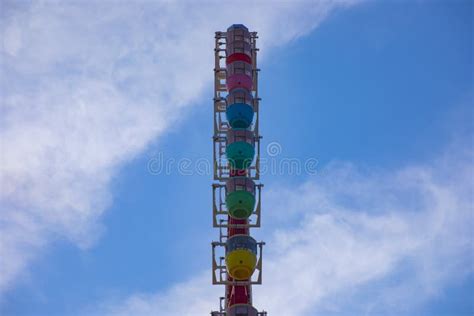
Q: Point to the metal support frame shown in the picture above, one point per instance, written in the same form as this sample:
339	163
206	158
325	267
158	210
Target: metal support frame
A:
222	172
222	311
225	314
221	164
220	213
221	126
219	269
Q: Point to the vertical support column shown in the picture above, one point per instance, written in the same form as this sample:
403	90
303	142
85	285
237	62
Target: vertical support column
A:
236	156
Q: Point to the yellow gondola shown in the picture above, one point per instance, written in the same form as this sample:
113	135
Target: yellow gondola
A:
241	256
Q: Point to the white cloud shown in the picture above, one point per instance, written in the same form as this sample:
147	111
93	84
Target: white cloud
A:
362	242
195	297
358	228
87	85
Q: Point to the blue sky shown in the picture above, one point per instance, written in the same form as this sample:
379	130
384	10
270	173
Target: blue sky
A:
379	92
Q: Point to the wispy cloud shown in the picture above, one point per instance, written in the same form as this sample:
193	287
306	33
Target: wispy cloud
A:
362	242
87	85
360	227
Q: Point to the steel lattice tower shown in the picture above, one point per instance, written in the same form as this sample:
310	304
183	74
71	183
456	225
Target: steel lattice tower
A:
236	257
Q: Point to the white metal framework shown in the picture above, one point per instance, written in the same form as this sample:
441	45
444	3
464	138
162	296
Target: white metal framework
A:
221	126
221	174
219	270
220	213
